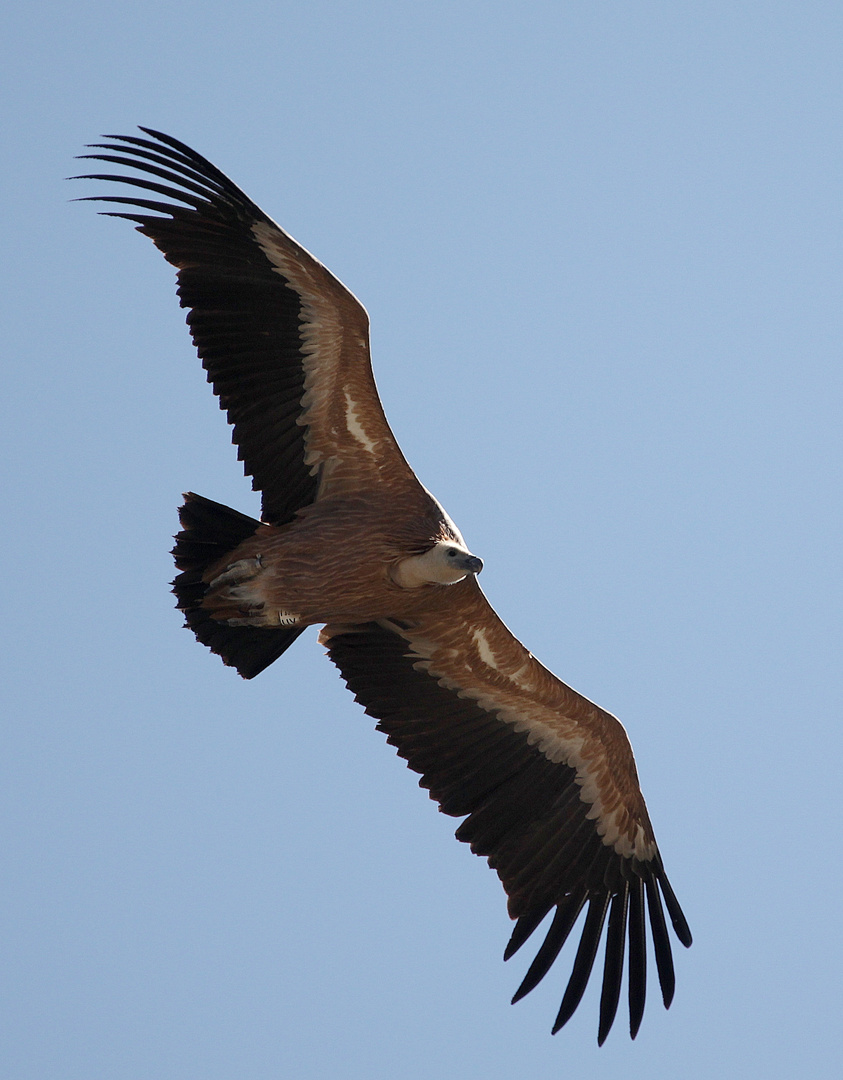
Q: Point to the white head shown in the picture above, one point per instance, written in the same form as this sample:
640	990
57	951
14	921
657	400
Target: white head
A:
444	564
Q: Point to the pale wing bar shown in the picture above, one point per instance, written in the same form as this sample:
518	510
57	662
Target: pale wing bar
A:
244	319
526	815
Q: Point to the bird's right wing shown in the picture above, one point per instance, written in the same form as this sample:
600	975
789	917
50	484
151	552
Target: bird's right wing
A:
285	344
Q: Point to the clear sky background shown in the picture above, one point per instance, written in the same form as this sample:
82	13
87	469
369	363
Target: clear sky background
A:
600	244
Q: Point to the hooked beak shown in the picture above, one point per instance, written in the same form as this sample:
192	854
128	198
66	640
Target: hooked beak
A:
472	564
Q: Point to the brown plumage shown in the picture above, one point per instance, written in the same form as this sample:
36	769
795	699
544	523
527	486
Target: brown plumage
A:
349	539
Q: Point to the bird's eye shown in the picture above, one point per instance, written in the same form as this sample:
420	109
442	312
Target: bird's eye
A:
452	554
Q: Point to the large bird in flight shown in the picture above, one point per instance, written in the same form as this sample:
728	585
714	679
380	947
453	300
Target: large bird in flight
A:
350	539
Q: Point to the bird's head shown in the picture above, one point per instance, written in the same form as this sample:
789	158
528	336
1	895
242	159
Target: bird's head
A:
446	563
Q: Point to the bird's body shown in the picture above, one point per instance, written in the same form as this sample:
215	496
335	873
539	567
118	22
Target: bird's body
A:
335	562
352	541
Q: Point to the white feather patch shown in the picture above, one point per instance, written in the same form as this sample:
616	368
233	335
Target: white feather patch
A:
484	650
355	428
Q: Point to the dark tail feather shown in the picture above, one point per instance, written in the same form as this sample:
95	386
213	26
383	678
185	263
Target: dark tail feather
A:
209	531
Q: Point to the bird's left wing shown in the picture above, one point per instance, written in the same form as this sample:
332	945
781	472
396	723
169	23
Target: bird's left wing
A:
547	779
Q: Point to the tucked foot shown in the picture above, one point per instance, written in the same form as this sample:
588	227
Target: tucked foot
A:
256	615
237	572
236	597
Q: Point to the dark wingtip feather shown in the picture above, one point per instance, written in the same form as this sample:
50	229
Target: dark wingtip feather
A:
677	916
637	956
146	185
613	965
182	165
584	960
661	943
557	934
176	144
183	176
523	929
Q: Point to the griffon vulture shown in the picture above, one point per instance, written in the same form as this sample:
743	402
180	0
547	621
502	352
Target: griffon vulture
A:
351	540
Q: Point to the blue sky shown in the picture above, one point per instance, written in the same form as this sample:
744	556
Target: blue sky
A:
600	245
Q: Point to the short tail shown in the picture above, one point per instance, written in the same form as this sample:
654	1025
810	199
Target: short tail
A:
210	530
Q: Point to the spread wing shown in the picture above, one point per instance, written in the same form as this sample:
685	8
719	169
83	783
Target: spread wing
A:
547	779
284	343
